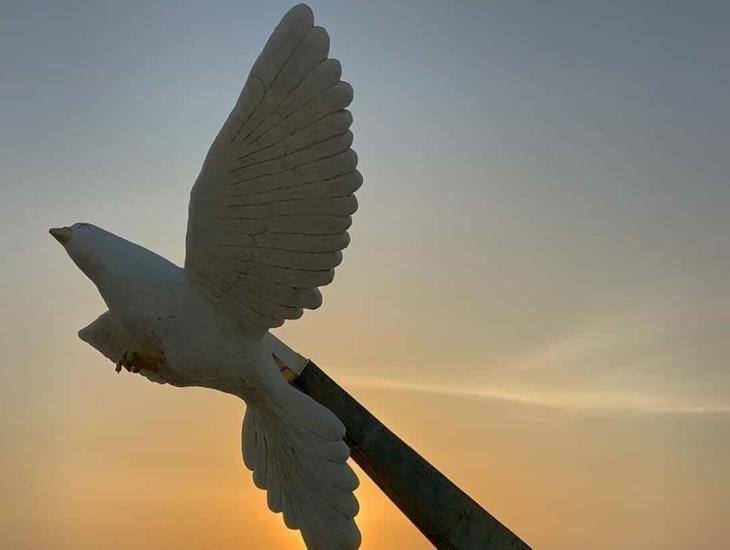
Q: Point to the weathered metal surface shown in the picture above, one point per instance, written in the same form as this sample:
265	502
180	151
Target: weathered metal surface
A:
447	516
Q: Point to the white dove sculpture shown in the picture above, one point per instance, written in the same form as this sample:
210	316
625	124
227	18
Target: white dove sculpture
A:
267	225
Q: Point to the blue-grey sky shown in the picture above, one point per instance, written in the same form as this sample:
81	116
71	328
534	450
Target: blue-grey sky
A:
543	225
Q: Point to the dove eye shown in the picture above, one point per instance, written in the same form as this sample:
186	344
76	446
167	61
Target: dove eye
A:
83	226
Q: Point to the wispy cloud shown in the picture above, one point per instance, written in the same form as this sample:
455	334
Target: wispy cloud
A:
634	362
583	401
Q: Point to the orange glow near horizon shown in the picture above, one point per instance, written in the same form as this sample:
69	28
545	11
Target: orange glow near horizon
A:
162	464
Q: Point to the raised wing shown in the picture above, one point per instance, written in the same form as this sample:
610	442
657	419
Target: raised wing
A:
271	206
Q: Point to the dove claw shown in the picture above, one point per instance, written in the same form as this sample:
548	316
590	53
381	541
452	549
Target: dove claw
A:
135	361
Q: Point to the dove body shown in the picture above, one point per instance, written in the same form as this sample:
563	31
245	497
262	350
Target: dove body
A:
153	302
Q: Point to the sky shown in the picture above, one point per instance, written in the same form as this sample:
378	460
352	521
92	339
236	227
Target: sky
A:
535	296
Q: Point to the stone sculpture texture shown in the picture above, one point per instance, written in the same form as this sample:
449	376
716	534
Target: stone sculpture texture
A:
267	225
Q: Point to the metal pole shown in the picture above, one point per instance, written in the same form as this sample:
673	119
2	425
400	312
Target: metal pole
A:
447	516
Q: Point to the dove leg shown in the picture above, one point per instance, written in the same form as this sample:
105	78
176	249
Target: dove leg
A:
136	360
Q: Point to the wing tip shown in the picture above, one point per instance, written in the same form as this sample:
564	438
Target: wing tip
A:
301	13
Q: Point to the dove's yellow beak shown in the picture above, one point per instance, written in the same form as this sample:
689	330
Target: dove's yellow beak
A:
61	234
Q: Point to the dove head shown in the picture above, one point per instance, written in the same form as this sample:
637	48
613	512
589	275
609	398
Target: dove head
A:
92	249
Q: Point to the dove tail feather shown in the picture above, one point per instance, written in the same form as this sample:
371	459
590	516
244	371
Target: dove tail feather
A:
296	450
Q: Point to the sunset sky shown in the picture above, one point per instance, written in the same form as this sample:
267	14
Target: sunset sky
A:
535	296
